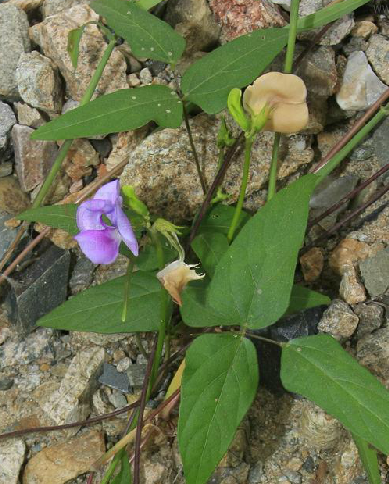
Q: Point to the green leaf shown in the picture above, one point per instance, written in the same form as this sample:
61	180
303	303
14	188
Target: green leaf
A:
236	64
318	368
123	110
74	37
219	384
329	14
254	278
209	247
369	460
124	476
219	219
147	35
99	309
56	216
148	259
147	4
303	298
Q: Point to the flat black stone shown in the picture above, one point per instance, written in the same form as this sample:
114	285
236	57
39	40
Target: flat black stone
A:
38	289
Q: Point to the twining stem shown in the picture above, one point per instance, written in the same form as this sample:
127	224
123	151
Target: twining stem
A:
66	145
194	151
127	289
294	14
243	187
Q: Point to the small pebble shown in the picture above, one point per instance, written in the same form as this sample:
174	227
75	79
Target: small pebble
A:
123	364
145	76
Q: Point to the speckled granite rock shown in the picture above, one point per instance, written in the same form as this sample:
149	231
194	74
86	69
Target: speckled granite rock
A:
12	198
53	38
238	17
338	320
377	53
11	460
373	352
164	175
38	82
14	41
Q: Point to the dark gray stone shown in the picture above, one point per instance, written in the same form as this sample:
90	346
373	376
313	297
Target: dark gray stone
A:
6	235
82	275
7	120
331	190
370	318
113	379
102	146
38	289
6	383
381	142
136	374
375	273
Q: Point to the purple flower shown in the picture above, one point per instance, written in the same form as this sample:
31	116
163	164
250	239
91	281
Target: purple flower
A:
98	240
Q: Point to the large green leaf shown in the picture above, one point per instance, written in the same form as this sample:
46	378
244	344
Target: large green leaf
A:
208	81
99	309
318	368
148	258
218	386
219	219
236	64
146	34
122	110
303	298
254	278
124	476
56	216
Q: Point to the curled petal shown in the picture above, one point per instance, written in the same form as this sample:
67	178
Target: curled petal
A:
89	215
100	246
125	231
109	192
288	118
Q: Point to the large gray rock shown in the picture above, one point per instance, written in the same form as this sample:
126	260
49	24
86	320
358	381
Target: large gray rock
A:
7	120
53	39
11	460
39	83
378	54
373	352
33	158
375	273
14	41
338	320
360	87
164	175
194	20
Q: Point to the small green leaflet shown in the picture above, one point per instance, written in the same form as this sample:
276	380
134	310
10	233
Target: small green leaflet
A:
219	219
369	460
238	63
303	298
56	216
74	37
99	309
208	81
123	110
254	278
218	386
147	35
318	368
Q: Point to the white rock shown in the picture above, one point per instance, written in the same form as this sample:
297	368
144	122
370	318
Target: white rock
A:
360	86
72	401
11	460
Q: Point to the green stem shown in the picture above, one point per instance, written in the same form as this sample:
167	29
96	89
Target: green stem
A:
66	145
243	187
362	133
273	167
294	15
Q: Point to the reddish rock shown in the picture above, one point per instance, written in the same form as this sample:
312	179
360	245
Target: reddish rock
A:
312	264
239	17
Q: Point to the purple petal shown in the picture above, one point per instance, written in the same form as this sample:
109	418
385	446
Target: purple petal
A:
109	192
100	246
89	215
125	231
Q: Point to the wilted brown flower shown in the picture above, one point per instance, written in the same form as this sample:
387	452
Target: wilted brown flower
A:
285	97
175	276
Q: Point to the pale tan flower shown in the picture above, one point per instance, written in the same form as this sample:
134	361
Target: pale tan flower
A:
284	95
176	276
